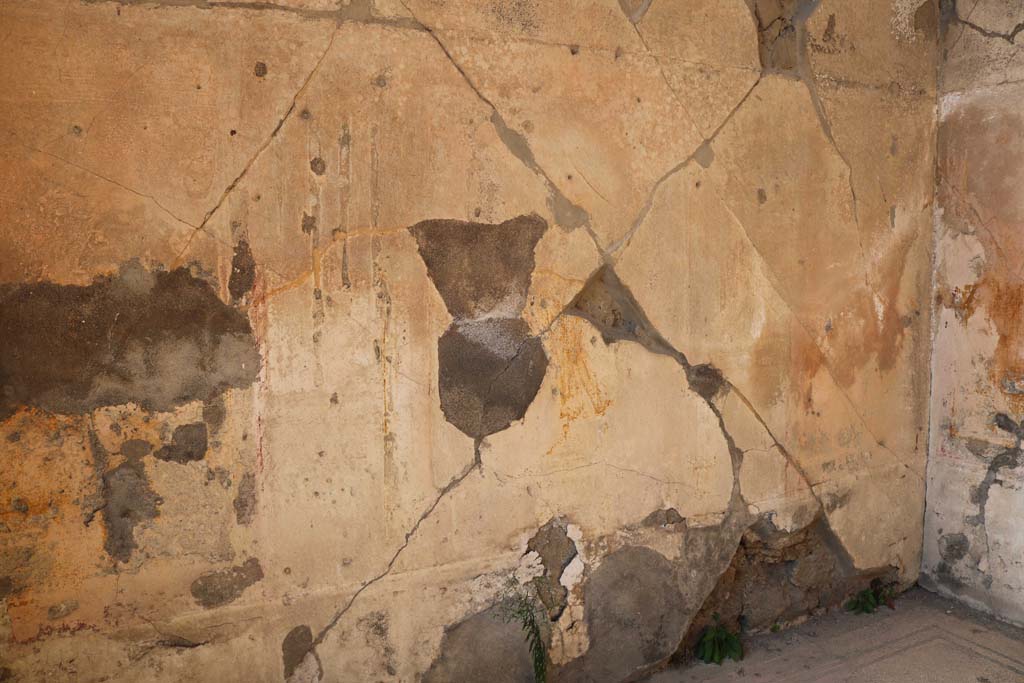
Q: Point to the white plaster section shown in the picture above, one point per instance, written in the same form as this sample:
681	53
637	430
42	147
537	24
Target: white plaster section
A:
571	638
973	546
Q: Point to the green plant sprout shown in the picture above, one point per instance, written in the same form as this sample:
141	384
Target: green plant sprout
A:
520	605
717	642
870	599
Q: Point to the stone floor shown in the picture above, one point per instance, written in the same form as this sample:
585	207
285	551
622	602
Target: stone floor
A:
925	640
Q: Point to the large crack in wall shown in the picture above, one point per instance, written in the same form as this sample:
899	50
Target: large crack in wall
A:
637	618
802	570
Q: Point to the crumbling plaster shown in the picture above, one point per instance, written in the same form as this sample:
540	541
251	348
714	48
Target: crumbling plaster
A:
646	279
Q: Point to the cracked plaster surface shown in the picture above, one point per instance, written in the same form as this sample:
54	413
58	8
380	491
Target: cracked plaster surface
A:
757	224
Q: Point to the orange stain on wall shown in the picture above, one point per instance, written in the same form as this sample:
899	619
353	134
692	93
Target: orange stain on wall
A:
580	394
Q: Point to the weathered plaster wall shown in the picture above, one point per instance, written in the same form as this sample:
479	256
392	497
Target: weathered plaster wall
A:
974	542
321	320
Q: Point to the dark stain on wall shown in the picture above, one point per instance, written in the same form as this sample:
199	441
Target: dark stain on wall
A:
308	223
609	306
606	302
483	647
128	500
16	570
632	609
666	517
480	269
245	499
706	380
295	646
1009	458
188	443
953	547
155	338
556	551
62	609
776	34
490	366
243	271
489	373
926	18
177	642
223	586
214	413
947	15
1007	424
376	628
136	448
946	576
123	495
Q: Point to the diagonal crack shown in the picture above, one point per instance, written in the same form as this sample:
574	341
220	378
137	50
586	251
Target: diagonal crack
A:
811	83
564	210
622	243
794	26
263	147
476	464
147	197
1010	37
448	488
950	15
807	77
358	11
522	345
607	304
797	467
664	76
102	177
824	358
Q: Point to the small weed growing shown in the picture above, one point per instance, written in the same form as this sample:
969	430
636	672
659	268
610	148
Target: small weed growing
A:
870	599
717	642
887	595
864	602
520	605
